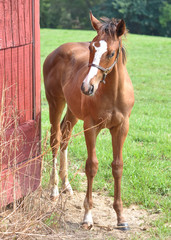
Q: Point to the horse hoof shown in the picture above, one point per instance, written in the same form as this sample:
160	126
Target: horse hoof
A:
67	192
67	189
123	226
87	226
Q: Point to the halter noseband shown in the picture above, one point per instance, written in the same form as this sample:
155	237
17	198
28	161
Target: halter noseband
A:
106	70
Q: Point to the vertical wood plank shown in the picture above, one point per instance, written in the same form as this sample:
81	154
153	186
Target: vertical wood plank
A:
21	84
14	80
37	57
27	21
2	26
1	73
8	27
21	22
15	22
31	79
31	19
8	71
28	81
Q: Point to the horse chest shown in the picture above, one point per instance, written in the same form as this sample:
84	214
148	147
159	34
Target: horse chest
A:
109	117
113	118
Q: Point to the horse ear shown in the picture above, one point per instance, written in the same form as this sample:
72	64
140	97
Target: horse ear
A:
120	29
94	22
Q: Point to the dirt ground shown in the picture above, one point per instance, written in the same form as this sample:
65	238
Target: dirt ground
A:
104	220
39	218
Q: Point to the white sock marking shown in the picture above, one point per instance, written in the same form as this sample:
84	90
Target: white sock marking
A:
64	171
88	217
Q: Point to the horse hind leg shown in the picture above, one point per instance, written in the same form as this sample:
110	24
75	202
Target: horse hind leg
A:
66	129
55	112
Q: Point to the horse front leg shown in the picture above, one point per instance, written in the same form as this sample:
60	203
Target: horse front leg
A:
118	137
55	111
91	170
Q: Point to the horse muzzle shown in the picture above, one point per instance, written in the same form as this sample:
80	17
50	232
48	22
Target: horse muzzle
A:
87	91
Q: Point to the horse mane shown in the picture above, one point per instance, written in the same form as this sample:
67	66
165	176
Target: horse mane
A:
108	26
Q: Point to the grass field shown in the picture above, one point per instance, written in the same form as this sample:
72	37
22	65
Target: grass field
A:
147	150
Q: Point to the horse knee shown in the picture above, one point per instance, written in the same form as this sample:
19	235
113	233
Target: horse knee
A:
117	168
91	167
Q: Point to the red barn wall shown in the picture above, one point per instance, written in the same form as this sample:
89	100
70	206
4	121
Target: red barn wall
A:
20	98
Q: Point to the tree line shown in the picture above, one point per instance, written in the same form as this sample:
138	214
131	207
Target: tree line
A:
151	17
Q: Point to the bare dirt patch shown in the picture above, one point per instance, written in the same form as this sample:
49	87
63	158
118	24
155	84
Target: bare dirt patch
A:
39	218
104	220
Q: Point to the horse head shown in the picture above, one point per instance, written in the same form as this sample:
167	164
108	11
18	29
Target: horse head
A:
104	52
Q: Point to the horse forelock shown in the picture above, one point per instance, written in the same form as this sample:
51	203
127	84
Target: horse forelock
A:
108	26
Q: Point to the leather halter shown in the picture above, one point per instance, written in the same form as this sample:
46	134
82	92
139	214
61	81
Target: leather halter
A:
106	70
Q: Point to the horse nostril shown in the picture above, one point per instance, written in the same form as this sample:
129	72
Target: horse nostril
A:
91	89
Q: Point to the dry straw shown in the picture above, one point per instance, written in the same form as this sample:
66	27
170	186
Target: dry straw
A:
35	216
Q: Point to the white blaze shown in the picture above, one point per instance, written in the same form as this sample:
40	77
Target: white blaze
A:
97	57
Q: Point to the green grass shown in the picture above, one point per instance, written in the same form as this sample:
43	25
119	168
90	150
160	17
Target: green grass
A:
146	153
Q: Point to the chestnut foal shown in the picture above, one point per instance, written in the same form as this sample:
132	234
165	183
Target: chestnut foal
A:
75	74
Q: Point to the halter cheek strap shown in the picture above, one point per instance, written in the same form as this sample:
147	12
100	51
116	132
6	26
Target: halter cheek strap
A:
106	70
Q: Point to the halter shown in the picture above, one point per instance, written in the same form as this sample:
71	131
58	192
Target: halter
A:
106	70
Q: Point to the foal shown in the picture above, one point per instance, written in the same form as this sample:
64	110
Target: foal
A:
75	74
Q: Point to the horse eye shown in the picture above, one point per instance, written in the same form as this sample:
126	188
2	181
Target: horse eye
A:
111	55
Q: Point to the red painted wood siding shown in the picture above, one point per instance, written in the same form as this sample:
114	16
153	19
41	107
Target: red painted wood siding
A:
20	77
16	44
16	22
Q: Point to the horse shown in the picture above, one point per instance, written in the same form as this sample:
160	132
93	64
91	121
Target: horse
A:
91	77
